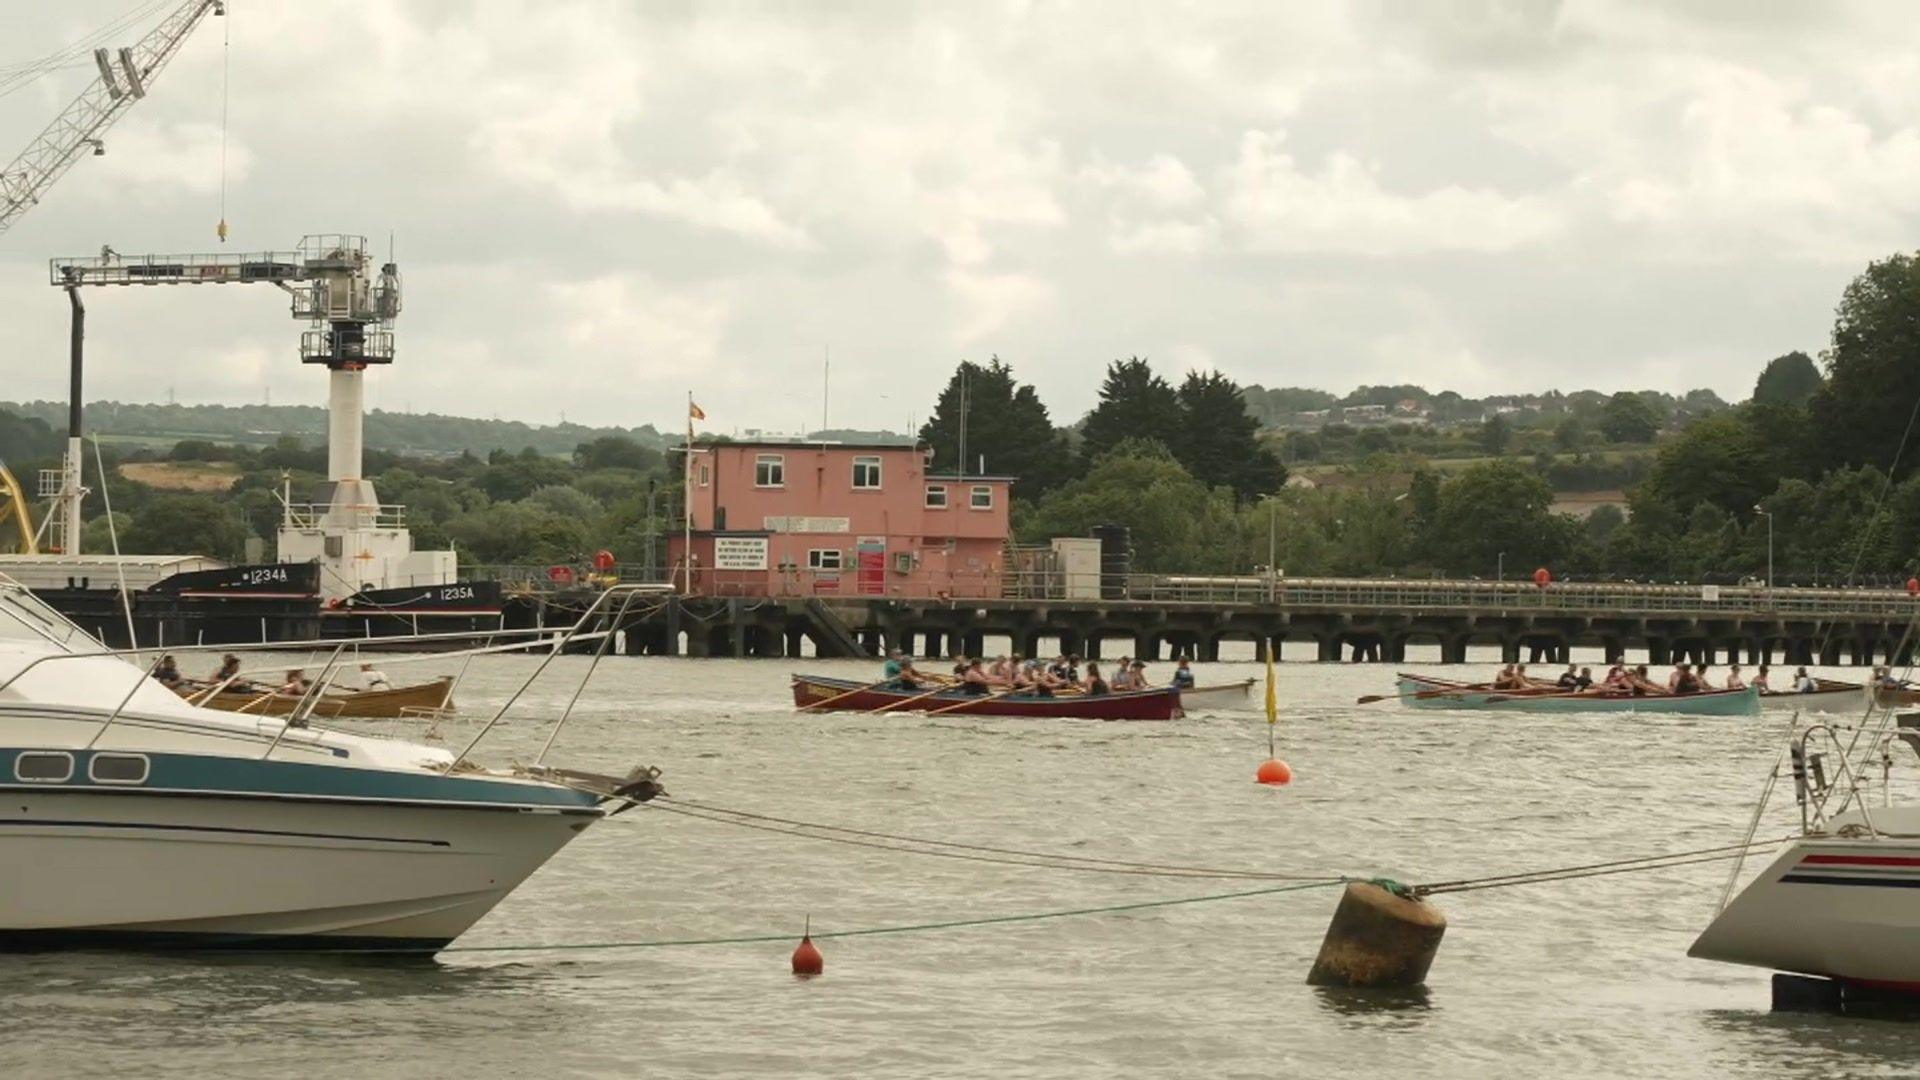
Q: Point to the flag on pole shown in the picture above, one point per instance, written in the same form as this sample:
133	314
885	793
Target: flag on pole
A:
1273	696
695	412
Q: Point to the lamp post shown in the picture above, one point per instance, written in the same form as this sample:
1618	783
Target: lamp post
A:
1500	567
1273	547
653	488
1769	517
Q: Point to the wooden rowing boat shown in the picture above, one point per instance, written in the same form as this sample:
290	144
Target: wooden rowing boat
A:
1157	703
436	695
1236	695
1426	692
1832	695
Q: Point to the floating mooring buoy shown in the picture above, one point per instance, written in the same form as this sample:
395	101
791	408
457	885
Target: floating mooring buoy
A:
1378	938
1274	773
807	961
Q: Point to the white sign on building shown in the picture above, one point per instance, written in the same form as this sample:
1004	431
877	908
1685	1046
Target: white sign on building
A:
800	524
740	553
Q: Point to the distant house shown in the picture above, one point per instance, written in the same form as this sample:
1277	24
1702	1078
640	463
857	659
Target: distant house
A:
1364	414
800	518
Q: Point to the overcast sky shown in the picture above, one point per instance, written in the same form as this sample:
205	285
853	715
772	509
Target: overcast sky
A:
601	206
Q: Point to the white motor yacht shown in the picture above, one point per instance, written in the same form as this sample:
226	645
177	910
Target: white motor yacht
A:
135	819
1842	898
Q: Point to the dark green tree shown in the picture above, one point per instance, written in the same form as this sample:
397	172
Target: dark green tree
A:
1873	369
1219	442
1629	418
1570	434
617	452
1493	508
1007	425
1177	523
1787	380
187	525
1495	435
1134	404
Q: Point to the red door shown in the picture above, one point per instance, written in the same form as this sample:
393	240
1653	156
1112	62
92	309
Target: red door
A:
871	565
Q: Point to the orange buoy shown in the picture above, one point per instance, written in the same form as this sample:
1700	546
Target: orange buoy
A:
807	961
1274	773
1913	586
1543	577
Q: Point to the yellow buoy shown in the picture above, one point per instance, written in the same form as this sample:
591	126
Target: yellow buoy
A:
1378	938
222	230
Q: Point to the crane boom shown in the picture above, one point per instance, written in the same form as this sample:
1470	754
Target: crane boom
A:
81	124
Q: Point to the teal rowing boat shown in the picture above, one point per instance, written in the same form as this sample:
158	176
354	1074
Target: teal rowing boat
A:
1420	693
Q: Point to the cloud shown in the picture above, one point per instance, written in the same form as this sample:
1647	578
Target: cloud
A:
596	202
1276	206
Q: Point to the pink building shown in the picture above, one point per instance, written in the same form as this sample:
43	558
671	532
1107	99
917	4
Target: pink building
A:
840	519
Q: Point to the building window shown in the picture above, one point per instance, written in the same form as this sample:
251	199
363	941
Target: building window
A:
981	498
703	474
823	559
770	470
936	496
866	474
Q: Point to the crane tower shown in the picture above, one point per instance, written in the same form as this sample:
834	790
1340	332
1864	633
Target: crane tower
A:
359	542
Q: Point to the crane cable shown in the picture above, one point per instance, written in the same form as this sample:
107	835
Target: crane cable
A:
226	66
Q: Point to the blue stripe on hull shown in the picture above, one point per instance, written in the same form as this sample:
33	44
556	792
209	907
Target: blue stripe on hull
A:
26	941
225	830
1830	879
210	774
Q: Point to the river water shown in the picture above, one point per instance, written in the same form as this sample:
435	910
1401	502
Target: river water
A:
1581	978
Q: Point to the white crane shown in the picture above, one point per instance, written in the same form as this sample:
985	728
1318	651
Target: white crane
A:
82	124
349	309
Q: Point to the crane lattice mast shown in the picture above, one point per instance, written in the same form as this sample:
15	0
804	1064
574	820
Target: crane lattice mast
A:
82	124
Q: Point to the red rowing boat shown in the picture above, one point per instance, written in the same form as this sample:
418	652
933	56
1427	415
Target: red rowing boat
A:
1158	703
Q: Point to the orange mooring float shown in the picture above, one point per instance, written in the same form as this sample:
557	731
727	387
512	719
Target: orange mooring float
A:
807	961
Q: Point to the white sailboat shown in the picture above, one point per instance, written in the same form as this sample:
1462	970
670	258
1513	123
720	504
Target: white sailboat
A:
1841	900
133	818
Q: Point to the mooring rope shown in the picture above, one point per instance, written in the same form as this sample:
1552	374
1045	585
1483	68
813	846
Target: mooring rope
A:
1617	866
968	852
911	928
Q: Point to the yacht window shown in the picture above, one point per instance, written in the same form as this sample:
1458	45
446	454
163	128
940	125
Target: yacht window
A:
43	766
118	769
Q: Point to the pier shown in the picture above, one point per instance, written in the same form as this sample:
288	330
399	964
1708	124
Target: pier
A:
1158	617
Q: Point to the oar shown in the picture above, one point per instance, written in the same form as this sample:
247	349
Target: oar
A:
891	705
974	700
1422	694
856	690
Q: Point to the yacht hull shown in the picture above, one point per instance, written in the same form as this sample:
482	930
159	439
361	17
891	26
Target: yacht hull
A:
1828	907
198	871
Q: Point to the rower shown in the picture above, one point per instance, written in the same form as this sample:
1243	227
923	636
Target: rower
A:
1183	675
373	678
167	672
1684	680
1584	680
1140	676
973	678
1734	682
899	671
1570	679
1094	684
1700	677
229	668
1804	683
1760	680
296	682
